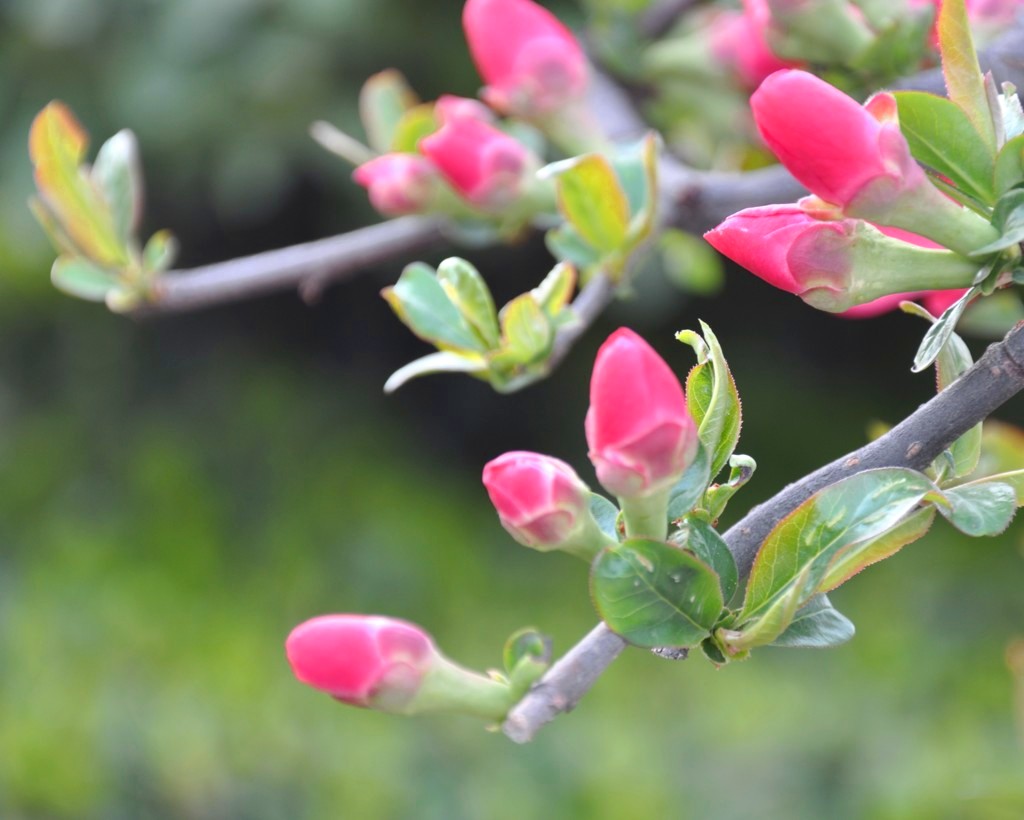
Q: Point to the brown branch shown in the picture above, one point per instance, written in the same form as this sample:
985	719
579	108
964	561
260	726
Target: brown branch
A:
915	443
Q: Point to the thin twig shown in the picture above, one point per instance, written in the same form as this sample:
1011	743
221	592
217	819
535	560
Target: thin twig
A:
915	443
309	266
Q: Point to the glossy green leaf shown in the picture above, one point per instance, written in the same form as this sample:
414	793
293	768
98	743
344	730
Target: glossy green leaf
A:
383	101
938	334
817	625
852	560
980	509
79	277
1008	217
960	68
590	197
654	594
840	517
555	291
118	174
713	400
704	541
606	514
421	303
526	332
160	252
1013	479
688	490
719	495
468	291
941	136
444	361
1009	167
773	620
57	145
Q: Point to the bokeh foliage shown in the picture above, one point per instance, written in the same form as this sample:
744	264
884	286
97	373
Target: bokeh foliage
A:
175	495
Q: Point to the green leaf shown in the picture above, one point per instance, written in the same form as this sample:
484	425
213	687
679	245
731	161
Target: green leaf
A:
713	400
704	541
772	621
817	625
444	361
654	594
555	290
687	491
57	145
160	252
591	199
79	277
1008	217
842	516
1009	166
118	174
566	245
468	291
1013	479
938	334
526	643
850	561
606	514
980	509
383	101
960	68
1012	112
421	303
719	495
690	263
416	123
941	136
526	333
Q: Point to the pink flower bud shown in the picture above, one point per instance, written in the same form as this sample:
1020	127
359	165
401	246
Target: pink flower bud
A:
483	164
738	42
450	107
531	63
836	264
540	500
398	183
640	433
363	660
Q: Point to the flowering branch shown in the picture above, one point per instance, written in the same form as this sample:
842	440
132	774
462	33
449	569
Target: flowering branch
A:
914	443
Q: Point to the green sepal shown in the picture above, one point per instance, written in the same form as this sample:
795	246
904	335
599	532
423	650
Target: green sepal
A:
654	594
712	398
816	625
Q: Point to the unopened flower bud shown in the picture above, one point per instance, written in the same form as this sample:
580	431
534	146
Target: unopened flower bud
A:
488	167
531	63
833	265
543	503
399	183
640	432
857	159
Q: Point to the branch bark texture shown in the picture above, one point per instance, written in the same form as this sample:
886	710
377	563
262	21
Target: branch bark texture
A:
915	442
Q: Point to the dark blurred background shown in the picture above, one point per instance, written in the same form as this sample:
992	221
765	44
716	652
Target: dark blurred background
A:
177	493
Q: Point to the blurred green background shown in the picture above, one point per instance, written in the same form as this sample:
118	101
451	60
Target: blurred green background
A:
176	494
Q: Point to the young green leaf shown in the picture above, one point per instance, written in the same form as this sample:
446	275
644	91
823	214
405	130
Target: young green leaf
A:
770	622
590	197
719	495
468	291
979	509
938	334
1013	479
942	137
687	492
1008	217
421	303
383	101
526	333
817	625
1009	166
605	514
713	400
555	290
159	253
79	277
845	515
960	68
654	594
704	541
444	361
118	175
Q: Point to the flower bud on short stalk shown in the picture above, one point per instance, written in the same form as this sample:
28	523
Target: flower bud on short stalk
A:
399	183
488	167
390	665
833	265
543	504
641	436
856	159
